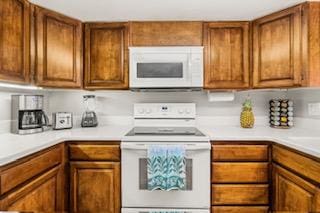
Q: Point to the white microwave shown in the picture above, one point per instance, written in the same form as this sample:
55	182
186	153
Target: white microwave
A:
166	67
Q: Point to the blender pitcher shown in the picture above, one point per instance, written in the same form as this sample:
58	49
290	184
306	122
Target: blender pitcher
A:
89	117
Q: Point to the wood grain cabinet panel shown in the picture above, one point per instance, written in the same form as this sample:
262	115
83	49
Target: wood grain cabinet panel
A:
240	194
311	44
226	55
106	56
14	41
292	193
277	49
303	165
94	152
59	50
166	33
240	209
42	194
239	172
13	177
95	187
240	152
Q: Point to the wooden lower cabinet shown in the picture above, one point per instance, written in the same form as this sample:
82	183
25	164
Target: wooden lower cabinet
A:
292	193
95	187
240	209
240	194
240	177
240	172
233	152
43	194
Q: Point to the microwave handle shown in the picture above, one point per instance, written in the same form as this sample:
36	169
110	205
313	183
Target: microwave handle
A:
188	146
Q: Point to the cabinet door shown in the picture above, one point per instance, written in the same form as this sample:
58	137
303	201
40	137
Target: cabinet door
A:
226	55
106	56
59	40
166	33
43	194
14	41
292	193
277	49
95	187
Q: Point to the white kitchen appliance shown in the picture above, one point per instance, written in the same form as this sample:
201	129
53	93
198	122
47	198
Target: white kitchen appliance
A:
27	114
62	120
163	68
168	124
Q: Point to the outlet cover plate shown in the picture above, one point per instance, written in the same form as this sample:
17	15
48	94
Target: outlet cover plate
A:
314	109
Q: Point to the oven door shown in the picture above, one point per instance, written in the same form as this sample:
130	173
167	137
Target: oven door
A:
134	178
160	70
144	210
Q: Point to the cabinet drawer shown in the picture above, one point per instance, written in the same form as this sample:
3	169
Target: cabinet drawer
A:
16	175
94	152
240	194
240	209
296	162
239	172
240	152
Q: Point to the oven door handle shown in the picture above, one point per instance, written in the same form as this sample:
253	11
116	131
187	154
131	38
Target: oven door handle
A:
188	146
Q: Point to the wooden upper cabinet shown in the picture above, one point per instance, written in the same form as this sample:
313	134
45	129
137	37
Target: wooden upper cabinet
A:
59	50
311	44
277	42
226	55
14	41
292	193
106	56
166	33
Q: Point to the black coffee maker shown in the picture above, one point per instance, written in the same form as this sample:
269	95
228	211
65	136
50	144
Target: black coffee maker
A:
27	114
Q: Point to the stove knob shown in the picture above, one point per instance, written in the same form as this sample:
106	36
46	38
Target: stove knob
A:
148	111
180	111
188	111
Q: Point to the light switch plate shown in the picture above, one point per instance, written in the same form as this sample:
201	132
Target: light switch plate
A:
314	109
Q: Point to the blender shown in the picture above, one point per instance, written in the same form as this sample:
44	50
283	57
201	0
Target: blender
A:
89	117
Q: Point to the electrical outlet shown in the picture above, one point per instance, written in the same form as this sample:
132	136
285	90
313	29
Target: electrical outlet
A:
314	109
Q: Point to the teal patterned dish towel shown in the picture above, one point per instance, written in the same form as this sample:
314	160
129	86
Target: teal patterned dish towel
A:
166	167
157	167
176	174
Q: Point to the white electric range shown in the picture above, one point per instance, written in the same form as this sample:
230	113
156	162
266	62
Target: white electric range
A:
164	123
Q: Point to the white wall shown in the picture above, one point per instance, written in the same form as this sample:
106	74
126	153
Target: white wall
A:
120	103
301	99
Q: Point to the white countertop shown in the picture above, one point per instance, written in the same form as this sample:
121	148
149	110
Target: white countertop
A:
13	147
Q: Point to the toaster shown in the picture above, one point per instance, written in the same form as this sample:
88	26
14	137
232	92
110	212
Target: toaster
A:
62	120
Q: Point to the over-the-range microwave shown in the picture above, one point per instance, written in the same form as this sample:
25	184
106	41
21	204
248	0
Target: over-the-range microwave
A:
166	68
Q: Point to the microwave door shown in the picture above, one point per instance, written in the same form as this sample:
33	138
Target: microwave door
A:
159	71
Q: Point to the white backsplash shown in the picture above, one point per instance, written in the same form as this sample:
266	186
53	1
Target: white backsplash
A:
120	103
115	107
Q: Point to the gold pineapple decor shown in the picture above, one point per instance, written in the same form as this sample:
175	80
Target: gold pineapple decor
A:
247	116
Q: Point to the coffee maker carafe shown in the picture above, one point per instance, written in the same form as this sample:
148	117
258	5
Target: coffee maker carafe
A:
27	114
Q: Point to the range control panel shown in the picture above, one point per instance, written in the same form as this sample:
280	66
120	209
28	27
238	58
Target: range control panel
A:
165	110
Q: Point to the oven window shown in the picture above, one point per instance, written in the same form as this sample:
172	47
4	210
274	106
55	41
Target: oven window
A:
160	70
143	174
